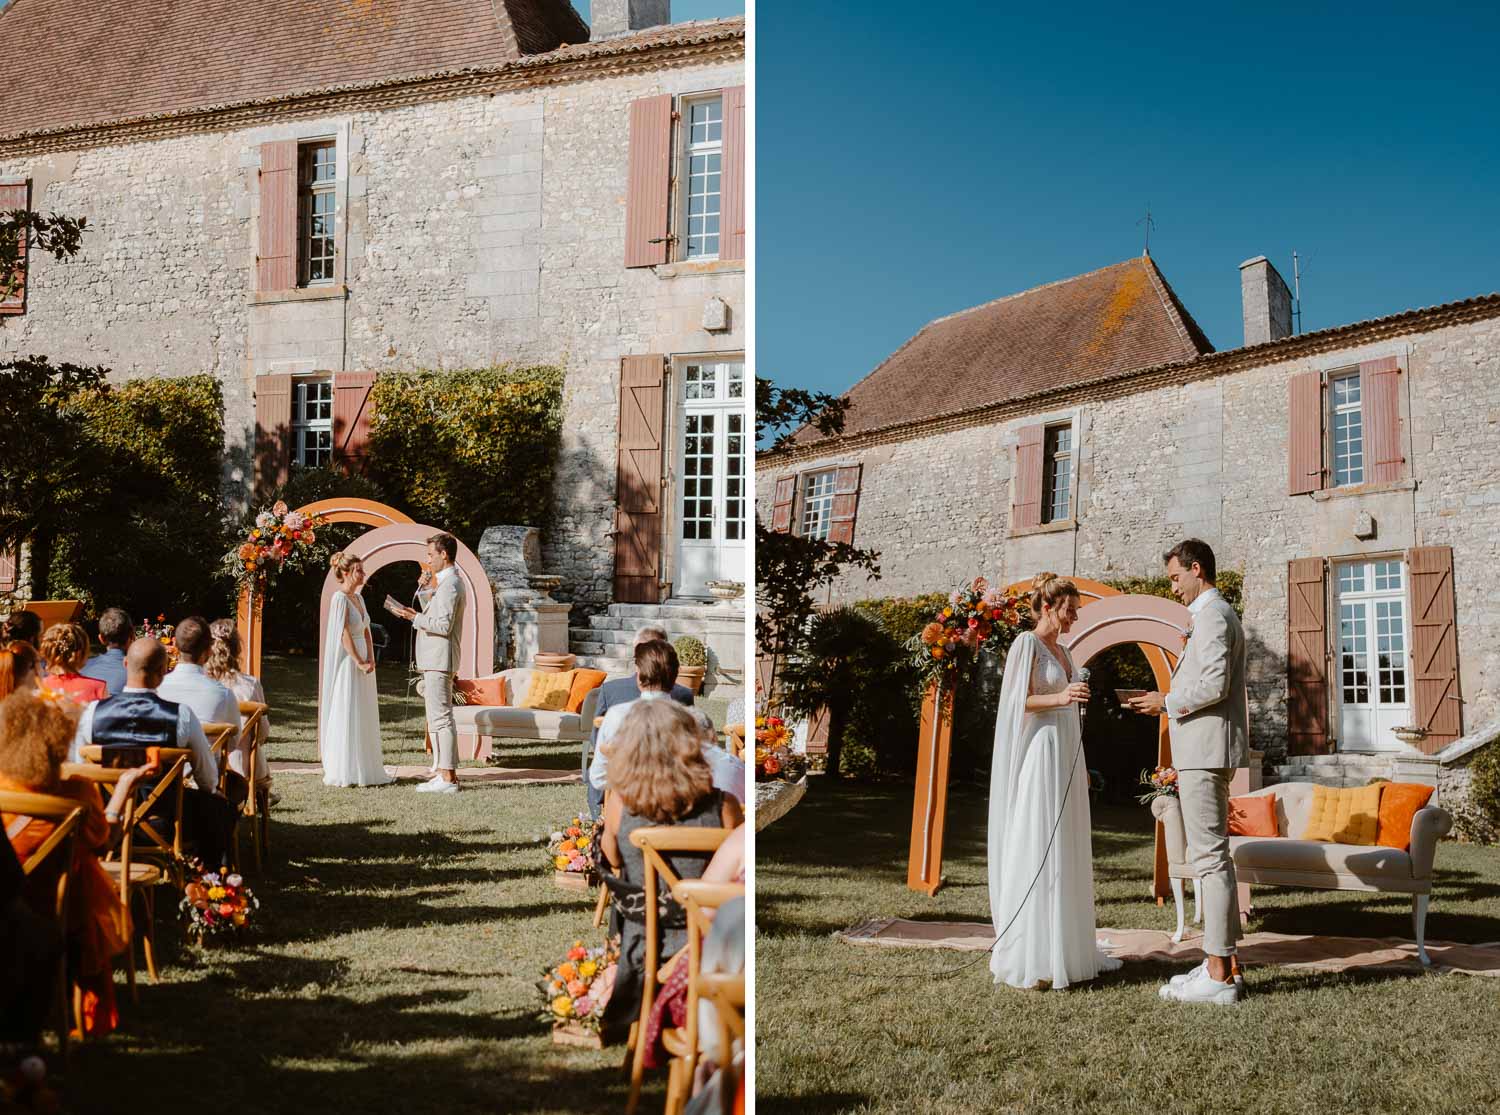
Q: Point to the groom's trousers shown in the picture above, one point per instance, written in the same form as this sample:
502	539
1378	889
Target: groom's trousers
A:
437	688
1204	798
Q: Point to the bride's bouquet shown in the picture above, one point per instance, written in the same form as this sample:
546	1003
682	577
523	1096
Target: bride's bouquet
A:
278	539
975	618
1159	783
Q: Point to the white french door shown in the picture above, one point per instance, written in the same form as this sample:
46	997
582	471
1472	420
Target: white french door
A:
1374	663
712	474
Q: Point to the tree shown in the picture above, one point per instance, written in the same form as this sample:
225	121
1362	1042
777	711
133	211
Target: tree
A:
781	411
59	236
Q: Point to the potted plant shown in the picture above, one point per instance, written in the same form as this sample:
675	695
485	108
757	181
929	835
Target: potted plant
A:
692	662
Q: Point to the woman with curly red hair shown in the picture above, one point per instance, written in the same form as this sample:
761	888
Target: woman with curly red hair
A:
65	648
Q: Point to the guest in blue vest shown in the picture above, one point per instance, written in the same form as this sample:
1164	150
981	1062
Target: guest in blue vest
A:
139	717
115	632
620	691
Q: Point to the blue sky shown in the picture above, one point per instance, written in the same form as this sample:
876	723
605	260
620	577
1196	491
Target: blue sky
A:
915	162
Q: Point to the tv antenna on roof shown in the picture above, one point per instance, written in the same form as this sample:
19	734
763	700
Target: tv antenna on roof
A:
1150	223
1296	294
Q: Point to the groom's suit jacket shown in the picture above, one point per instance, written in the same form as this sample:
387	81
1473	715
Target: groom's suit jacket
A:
439	624
1208	707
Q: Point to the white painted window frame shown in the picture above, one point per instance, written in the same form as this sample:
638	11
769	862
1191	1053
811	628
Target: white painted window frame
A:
307	195
301	424
815	516
686	149
1335	410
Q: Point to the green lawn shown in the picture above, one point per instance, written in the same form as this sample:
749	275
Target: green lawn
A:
403	935
861	1029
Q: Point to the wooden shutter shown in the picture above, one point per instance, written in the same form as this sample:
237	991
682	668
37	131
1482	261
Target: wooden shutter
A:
1380	395
781	508
1305	441
1434	650
276	263
732	221
17	195
10	569
1026	512
845	504
1307	658
352	411
273	431
649	181
638	518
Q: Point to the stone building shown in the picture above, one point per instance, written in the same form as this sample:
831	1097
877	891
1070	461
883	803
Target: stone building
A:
1085	426
298	196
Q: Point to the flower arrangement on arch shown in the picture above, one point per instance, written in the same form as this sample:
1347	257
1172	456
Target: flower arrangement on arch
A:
1159	783
216	903
975	618
577	990
278	539
568	848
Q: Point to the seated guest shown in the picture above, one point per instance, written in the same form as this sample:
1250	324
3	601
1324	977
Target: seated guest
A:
34	738
222	666
729	772
138	716
619	691
728	864
658	777
65	647
29	949
115	633
189	684
655	678
17	669
23	627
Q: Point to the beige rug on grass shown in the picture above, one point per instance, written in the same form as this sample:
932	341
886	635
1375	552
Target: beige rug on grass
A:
1327	954
513	775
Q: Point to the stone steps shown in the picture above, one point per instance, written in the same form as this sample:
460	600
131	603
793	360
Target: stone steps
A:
1333	770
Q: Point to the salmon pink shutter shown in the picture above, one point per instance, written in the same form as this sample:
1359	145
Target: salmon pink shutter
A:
1026	512
1307	658
1305	442
649	181
10	570
638	477
1434	646
276	262
17	195
781	507
1380	392
732	245
273	431
352	411
845	504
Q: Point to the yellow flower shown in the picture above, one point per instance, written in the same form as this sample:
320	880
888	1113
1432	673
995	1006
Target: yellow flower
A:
216	893
583	842
560	862
587	968
562	1006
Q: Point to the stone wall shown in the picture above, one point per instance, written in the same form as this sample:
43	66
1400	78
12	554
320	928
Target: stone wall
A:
480	230
1207	458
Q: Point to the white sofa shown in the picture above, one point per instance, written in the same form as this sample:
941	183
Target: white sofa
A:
1285	861
477	724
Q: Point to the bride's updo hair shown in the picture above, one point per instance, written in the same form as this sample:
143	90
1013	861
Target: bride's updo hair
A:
1049	588
342	562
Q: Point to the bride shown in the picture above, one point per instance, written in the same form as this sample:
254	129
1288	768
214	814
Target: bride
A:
349	710
1038	774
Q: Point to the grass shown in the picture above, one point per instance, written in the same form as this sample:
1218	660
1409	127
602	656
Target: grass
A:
396	968
864	1029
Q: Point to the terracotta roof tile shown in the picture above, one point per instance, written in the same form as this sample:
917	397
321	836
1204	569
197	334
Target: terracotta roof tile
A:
1109	321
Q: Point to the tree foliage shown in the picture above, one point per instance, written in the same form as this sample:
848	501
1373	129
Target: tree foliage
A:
58	236
781	411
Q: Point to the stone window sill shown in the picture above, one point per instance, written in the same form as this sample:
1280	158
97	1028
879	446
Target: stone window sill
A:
709	267
1365	490
301	294
1046	528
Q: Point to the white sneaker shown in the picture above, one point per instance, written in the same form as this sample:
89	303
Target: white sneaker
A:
1202	989
438	786
1191	974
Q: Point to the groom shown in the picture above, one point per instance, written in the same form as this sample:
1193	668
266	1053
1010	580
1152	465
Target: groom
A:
438	625
1210	727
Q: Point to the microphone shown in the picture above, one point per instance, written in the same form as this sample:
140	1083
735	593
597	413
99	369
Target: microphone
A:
1083	676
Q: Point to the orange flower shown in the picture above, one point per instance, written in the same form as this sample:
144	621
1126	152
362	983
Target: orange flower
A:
568	973
937	652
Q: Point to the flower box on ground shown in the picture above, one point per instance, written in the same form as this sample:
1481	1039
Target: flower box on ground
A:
572	880
571	1033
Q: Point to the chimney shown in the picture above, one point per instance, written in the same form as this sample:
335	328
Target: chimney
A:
624	17
1266	300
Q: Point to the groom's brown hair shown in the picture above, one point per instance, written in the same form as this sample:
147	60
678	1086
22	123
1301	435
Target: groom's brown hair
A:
447	543
1190	550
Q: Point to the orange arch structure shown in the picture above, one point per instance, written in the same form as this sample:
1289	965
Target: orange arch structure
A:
251	604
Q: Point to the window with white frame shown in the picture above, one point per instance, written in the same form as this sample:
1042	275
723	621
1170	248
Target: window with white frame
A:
1057	474
1372	633
817	504
312	423
703	158
316	200
1346	428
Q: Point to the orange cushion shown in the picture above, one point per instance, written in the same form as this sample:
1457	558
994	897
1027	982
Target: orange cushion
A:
1253	816
584	683
1398	805
482	691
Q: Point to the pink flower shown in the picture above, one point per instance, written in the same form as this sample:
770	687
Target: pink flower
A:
583	1007
278	508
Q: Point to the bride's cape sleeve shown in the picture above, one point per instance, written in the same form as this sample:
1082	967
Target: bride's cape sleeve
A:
1008	756
333	646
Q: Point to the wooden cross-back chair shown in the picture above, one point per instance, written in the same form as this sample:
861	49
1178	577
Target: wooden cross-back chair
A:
256	807
698	898
53	854
734	740
726	994
655	843
139	870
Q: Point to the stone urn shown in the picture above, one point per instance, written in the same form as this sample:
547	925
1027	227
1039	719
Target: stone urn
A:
727	592
1412	737
544	583
554	663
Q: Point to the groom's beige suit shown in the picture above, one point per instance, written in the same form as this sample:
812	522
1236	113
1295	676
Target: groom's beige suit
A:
438	626
1210	730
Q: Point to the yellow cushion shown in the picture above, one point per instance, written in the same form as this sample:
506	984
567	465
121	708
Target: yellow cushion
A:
548	692
1347	816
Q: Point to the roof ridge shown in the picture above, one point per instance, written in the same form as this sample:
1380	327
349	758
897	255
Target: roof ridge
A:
1177	313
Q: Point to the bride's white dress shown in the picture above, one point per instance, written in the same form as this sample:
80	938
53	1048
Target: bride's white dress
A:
1052	938
349	709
